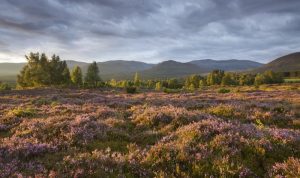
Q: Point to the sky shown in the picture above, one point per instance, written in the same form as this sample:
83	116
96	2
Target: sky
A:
149	30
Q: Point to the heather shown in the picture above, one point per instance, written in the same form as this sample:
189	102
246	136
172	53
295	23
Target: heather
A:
246	132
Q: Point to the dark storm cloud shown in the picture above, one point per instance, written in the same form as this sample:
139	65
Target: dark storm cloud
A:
150	30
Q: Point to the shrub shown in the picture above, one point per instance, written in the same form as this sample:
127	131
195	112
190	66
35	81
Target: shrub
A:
4	86
20	112
131	89
223	90
214	148
166	117
222	110
168	90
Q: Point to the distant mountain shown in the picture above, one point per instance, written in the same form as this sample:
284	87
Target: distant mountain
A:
287	63
170	69
71	64
120	69
7	69
227	65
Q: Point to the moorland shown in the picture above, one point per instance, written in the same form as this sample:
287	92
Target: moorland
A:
247	132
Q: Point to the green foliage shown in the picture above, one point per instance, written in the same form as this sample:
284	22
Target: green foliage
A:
272	77
158	86
225	111
202	83
228	79
259	79
40	71
23	112
215	77
131	89
268	77
223	90
192	81
137	80
150	84
169	90
173	83
246	79
92	77
292	80
113	83
76	76
4	86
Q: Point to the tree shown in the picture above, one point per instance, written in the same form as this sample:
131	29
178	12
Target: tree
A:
173	83
246	79
137	81
92	77
113	83
272	77
123	84
228	79
150	84
202	83
259	79
158	86
76	76
192	80
215	77
40	71
66	77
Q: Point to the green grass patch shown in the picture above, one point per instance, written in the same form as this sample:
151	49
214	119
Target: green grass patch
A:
292	80
224	90
23	112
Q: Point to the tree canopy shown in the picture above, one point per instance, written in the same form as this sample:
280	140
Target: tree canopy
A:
42	71
92	77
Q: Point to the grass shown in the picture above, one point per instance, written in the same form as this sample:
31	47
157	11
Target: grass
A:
23	112
292	80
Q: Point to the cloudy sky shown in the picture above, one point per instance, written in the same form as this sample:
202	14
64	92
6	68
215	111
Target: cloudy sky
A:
149	30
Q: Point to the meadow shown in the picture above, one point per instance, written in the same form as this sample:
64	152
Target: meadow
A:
243	132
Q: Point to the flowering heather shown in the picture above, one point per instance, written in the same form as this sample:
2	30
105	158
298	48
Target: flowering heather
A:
93	133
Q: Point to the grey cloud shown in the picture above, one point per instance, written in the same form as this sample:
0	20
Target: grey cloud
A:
151	30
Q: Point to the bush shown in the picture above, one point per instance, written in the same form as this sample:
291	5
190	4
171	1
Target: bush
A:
131	89
4	87
223	90
19	112
224	111
168	90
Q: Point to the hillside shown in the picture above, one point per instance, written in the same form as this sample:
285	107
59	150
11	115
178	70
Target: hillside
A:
227	65
287	63
7	69
120	69
170	69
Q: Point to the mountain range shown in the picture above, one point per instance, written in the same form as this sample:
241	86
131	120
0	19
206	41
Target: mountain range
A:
121	69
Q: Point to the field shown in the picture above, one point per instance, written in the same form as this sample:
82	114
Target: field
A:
247	132
292	80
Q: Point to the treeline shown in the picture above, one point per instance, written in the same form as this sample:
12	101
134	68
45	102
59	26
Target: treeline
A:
43	71
216	77
292	74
